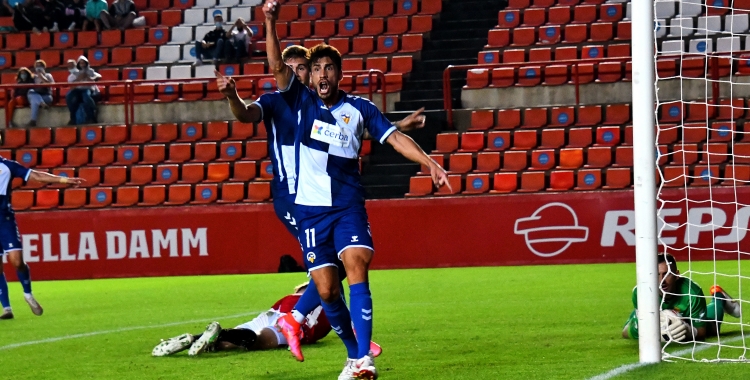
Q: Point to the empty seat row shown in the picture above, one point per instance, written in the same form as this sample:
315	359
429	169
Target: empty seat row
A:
131	154
119	175
535	181
556	34
354	9
39	137
708	25
561	53
119	56
560	15
582	116
142	196
524	139
522	4
702	45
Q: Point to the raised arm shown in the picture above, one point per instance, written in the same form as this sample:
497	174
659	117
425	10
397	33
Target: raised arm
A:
51	178
281	72
243	112
409	149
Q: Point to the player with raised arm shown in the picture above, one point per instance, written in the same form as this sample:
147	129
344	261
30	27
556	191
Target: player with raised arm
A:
330	208
10	238
684	314
258	334
281	126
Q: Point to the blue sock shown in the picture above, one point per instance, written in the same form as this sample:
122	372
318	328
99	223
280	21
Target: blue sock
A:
4	300
341	323
25	278
306	303
361	303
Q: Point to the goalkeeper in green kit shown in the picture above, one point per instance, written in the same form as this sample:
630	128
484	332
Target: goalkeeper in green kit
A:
684	314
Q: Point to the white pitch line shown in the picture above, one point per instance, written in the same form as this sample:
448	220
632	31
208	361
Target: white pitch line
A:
124	329
629	367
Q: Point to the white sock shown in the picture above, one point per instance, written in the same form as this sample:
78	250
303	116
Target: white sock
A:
298	316
28	295
8	308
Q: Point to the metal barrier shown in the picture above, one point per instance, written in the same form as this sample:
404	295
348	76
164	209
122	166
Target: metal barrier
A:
373	87
714	73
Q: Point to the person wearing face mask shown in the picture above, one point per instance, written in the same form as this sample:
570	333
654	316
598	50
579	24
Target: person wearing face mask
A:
212	44
24	76
120	16
83	97
238	41
40	96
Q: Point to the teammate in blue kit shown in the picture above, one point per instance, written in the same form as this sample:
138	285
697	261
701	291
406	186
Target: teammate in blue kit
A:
10	239
281	125
330	210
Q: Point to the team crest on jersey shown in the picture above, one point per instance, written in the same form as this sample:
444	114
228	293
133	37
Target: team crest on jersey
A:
311	257
346	117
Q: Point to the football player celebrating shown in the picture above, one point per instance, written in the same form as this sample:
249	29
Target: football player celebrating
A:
329	200
258	334
684	314
10	239
281	124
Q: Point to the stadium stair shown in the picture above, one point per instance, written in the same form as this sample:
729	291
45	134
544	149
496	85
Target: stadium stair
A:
457	37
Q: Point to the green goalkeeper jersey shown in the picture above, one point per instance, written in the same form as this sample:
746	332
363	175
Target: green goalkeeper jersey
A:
689	301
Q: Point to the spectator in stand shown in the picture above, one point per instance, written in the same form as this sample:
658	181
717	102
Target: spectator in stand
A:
212	44
83	97
238	41
94	9
120	16
24	76
74	14
40	96
36	16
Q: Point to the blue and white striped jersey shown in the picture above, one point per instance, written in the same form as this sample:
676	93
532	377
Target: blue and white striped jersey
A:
9	170
329	145
281	126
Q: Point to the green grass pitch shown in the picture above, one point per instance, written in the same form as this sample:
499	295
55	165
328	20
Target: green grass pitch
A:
541	322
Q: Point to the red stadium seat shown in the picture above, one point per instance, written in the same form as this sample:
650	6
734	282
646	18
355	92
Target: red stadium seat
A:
14	138
243	171
498	140
482	120
258	192
204	152
498	38
126	196
178	195
115	134
141	175
504	182
421	24
192	173
232	192
135	37
598	157
446	143
508	118
241	131
311	11
430	7
60	40
190	132
571	158
230	151
153	195
456	185
675	176
205	193
52	157
503	77
722	131
534	17
363	45
477	78
617	178
411	43
553	138
514	55
617	114
145	55
524	139
509	19
535	118
589	179
540	55
487	162
153	154
192	91
524	36
543	159
216	131
529	76
373	26
335	10
532	182
128	154
558	16
610	12
624	156
601	32
99	197
90	135
47	199
325	28
179	153
386	44
50	57
555	75
169	17
575	33
584	14
115	175
158	36
166	174
398	25
300	29
736	175
27	157
359	9
92	175
39	41
76	156
24	59
255	150
477	183
217	172
102	155
561	180
38	136
460	163
266	170
419	186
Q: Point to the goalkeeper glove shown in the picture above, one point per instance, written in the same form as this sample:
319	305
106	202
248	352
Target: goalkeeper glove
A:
674	328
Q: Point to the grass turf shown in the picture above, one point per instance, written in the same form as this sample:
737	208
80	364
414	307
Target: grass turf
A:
542	322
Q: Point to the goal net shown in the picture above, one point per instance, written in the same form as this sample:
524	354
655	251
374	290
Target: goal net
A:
702	85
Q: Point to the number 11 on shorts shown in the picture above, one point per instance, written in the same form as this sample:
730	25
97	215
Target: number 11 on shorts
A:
310	235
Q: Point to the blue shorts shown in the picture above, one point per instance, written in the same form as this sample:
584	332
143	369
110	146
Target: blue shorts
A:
284	207
10	238
325	235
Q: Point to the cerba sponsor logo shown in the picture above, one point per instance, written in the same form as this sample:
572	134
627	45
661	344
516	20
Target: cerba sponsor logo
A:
330	131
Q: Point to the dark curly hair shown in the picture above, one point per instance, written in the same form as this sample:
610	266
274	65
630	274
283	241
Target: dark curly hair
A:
322	50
